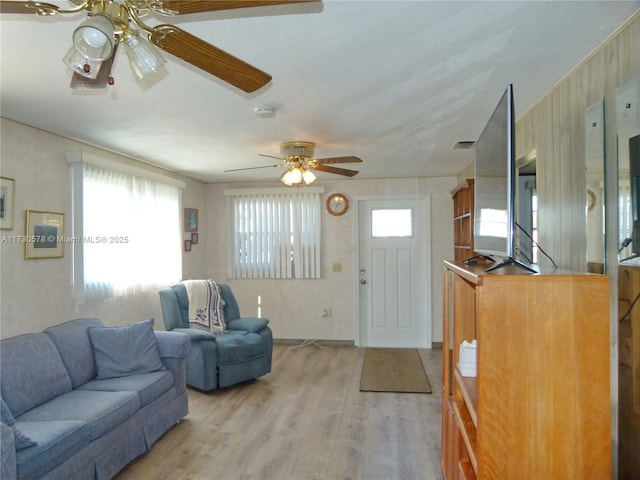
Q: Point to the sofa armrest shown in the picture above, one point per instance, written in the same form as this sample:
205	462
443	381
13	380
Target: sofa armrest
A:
249	324
172	344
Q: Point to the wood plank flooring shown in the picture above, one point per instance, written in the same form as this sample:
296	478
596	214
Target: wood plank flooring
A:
307	419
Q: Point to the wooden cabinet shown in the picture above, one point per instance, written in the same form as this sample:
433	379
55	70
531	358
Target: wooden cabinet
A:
539	407
463	220
628	372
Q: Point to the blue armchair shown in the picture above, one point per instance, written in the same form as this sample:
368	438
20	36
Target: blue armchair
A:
242	353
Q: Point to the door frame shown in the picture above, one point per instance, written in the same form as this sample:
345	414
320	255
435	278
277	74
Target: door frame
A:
426	226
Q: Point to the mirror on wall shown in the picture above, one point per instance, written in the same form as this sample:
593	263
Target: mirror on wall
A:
628	135
594	163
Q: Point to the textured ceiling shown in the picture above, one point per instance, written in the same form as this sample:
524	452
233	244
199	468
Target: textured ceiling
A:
396	83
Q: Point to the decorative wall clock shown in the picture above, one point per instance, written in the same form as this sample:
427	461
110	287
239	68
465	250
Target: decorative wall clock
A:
337	204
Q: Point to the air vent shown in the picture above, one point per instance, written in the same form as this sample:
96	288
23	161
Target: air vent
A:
463	145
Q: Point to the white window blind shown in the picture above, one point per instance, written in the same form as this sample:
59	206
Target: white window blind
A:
274	233
127	230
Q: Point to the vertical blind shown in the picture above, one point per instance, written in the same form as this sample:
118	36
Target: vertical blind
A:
274	233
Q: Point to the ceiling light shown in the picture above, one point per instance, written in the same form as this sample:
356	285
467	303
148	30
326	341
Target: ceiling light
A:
82	66
94	38
297	149
145	59
297	175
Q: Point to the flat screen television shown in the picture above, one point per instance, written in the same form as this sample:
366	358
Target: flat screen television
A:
634	172
495	176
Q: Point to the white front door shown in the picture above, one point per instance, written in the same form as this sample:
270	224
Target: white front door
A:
394	272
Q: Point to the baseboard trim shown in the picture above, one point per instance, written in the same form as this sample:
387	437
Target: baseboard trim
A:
324	343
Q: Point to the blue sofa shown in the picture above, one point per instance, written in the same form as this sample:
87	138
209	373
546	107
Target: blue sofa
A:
81	401
243	353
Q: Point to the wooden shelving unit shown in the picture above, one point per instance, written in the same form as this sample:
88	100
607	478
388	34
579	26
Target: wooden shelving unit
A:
540	404
463	220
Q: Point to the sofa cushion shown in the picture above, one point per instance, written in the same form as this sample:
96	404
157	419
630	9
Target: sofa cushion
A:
21	439
101	411
32	372
57	442
122	351
72	340
148	386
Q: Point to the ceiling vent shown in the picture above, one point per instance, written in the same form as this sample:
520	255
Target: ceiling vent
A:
463	145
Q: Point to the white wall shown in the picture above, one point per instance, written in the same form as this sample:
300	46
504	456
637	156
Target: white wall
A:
295	307
35	294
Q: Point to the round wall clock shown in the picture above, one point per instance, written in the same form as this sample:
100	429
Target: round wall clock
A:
337	204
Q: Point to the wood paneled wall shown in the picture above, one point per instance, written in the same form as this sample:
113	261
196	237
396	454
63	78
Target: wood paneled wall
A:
554	127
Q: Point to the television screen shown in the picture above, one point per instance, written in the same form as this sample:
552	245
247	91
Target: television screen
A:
495	182
634	172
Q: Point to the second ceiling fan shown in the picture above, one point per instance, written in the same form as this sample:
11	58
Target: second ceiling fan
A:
297	158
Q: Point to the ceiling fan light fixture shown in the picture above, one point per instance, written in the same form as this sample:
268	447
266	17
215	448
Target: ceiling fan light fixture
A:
80	65
145	59
94	38
297	149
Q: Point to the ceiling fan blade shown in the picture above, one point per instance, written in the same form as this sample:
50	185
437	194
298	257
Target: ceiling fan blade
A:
28	7
211	59
338	171
201	6
253	168
326	161
269	156
80	82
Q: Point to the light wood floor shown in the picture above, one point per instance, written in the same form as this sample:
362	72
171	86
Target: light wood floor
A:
307	419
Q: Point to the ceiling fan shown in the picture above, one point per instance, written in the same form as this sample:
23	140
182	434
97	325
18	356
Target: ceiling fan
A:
297	158
113	22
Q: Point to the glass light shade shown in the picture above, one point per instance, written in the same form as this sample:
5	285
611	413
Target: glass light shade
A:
145	59
293	176
82	66
308	177
94	38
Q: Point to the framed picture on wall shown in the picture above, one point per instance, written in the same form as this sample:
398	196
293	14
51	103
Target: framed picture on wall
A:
194	238
187	245
190	219
7	195
43	232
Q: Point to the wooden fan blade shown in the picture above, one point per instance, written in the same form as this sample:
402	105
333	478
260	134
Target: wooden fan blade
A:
326	161
80	82
253	168
211	59
28	7
338	171
201	6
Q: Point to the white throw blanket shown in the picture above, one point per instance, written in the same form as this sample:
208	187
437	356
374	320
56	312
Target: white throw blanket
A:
205	306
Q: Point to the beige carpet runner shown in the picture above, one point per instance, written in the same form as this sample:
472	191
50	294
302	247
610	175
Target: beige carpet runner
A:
393	370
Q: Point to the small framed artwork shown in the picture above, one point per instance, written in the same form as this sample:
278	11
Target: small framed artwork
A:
190	219
187	245
43	232
7	196
194	238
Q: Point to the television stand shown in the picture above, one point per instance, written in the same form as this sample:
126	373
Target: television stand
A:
510	262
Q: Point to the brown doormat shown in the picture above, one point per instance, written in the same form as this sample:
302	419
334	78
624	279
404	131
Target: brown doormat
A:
393	370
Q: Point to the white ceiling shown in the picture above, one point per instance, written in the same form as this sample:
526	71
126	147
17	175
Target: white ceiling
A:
396	83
